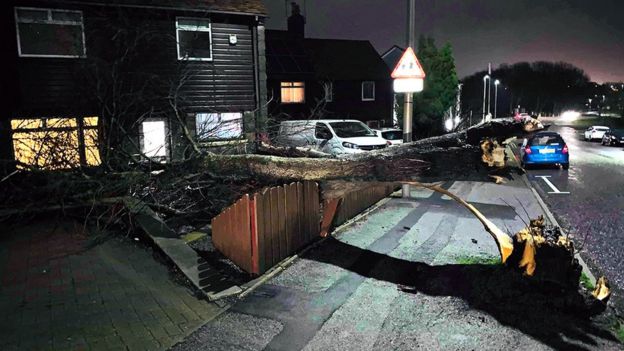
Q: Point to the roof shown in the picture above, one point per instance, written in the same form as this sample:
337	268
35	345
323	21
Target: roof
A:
392	56
246	7
286	55
341	59
546	133
333	59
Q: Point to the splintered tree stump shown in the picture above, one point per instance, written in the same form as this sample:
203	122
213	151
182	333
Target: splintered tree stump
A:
546	255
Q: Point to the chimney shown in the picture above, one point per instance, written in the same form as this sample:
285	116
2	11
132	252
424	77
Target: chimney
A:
296	22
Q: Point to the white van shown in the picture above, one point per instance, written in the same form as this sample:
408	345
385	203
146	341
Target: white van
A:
332	136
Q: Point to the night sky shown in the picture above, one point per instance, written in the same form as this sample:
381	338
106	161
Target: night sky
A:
586	33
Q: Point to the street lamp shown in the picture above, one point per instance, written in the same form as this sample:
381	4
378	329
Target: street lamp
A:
485	78
496	83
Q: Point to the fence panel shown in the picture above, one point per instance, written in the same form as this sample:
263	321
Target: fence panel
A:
231	233
259	231
356	202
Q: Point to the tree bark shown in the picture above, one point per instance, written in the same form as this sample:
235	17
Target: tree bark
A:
456	156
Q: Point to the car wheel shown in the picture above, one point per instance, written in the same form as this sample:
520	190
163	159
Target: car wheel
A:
565	166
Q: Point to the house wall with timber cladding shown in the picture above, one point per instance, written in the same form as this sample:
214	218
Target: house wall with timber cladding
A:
119	67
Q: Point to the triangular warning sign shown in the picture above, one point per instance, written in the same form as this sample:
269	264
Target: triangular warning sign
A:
408	66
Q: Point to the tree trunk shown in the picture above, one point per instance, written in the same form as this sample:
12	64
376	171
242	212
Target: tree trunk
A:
471	154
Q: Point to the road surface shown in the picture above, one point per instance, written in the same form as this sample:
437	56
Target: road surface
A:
589	199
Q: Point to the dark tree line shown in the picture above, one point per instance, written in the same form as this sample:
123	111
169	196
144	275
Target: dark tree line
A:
538	87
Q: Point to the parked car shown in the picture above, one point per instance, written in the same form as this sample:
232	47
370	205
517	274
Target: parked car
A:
613	137
393	135
595	132
335	136
545	148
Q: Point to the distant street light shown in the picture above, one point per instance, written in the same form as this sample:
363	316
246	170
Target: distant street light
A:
496	83
485	78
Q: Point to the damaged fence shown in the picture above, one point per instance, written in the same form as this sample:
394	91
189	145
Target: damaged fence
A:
356	202
260	230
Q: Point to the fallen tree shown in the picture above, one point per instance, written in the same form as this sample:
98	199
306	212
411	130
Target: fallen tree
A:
472	154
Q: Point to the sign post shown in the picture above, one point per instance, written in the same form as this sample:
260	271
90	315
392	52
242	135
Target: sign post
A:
409	78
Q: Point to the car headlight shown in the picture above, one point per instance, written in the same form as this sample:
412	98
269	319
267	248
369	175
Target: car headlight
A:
350	145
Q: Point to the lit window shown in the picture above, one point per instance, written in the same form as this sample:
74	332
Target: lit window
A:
194	37
329	91
219	125
293	92
368	91
55	143
154	145
49	33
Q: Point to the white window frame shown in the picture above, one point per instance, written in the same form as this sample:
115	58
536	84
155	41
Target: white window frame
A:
329	96
368	99
293	85
199	28
155	158
219	116
49	21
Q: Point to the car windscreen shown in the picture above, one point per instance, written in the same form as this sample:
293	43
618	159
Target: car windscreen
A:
392	135
618	132
544	140
351	129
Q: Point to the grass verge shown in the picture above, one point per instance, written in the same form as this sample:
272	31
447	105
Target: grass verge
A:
586	282
618	330
489	260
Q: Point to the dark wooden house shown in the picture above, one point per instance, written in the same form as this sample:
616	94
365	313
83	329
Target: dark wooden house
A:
135	78
325	78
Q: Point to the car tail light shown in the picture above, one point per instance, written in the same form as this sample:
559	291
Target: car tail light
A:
565	149
527	150
388	143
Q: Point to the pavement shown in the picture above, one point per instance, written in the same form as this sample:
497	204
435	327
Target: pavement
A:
587	199
412	274
60	289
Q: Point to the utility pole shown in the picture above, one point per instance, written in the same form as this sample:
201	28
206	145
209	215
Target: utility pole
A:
409	97
489	87
457	117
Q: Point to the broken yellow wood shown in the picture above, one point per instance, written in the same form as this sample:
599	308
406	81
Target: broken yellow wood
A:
531	239
493	154
602	290
498	179
192	236
503	241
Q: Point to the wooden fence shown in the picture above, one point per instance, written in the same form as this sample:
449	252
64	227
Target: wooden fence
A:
356	202
259	231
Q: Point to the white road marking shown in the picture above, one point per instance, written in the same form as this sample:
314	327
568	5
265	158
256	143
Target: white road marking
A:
552	186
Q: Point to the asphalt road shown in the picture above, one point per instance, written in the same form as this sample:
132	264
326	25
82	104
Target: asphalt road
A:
589	199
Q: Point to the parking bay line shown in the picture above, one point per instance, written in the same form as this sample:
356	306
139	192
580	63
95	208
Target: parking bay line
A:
551	185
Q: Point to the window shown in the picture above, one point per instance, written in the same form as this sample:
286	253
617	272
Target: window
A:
546	140
351	129
55	143
194	37
329	91
49	33
322	132
154	139
219	125
368	91
293	92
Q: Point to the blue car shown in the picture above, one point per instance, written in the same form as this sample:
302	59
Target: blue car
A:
545	148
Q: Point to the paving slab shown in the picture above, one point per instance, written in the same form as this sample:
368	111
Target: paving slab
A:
59	292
